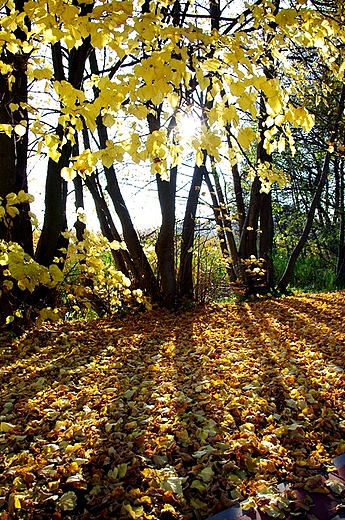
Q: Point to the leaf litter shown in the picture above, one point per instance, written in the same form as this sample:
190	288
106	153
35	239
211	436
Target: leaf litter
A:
174	415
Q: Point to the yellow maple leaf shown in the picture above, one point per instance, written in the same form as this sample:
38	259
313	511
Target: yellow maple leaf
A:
246	136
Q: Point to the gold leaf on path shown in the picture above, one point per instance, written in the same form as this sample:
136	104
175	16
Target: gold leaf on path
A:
206	474
68	501
134	512
6	427
197	484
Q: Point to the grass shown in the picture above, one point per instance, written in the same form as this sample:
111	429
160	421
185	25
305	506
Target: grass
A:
311	273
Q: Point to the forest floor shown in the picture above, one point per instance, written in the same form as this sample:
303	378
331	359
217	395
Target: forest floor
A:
167	415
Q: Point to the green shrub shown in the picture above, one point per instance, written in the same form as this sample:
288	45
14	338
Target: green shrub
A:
311	273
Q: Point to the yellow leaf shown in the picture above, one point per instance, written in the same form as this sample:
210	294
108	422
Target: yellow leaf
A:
68	173
237	88
55	273
68	501
25	197
206	474
54	154
12	211
134	512
23	284
99	39
17	502
11	198
4	426
7	129
197	484
5	68
107	160
245	137
45	73
281	144
8	284
108	120
199	157
81	215
20	128
274	105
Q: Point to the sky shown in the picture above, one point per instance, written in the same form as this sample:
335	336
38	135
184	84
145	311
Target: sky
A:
142	202
138	190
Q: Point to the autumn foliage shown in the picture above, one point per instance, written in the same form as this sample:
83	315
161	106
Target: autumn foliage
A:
173	415
94	93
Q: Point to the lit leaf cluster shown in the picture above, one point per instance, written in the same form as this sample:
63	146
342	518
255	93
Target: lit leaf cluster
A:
150	65
21	269
9	209
88	274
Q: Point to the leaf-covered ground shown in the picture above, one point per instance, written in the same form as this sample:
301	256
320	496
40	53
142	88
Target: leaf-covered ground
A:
173	415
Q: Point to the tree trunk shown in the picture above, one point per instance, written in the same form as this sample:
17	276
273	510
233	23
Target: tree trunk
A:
147	281
185	277
13	162
220	226
121	257
13	149
266	237
340	276
165	246
248	240
55	221
79	203
147	278
241	210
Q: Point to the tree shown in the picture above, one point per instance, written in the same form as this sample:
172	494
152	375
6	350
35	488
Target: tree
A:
282	285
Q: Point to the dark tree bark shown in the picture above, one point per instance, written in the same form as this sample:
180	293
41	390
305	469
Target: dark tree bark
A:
265	215
241	210
148	281
340	275
259	211
165	247
13	162
121	257
79	203
266	237
79	226
221	223
185	276
248	241
13	149
55	221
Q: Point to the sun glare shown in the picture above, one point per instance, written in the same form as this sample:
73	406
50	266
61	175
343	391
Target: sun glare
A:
188	127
